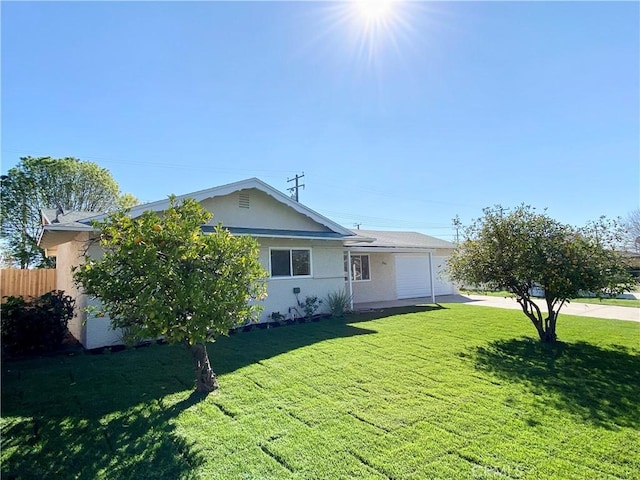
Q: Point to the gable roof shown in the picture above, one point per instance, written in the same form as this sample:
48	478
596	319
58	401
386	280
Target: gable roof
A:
250	183
385	240
81	221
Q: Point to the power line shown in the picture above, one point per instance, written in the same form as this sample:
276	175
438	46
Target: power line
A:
383	222
392	194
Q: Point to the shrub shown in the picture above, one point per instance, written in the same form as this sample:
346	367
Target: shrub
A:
276	317
339	303
37	325
310	306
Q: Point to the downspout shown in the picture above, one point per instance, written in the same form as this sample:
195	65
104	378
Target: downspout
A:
433	291
349	279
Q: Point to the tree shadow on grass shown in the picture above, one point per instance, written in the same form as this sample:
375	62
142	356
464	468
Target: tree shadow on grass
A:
113	415
137	443
228	354
377	313
92	417
600	385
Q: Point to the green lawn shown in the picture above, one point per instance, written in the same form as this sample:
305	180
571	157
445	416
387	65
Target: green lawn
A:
454	392
616	302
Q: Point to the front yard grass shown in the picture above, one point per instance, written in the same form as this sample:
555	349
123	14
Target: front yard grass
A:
419	393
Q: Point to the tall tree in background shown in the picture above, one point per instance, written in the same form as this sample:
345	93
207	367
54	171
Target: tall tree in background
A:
632	225
520	250
160	275
45	182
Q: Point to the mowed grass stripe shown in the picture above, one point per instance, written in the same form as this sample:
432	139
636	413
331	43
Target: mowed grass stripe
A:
453	392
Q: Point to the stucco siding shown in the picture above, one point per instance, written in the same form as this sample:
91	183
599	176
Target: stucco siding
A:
258	210
69	255
382	286
327	276
442	252
98	329
99	332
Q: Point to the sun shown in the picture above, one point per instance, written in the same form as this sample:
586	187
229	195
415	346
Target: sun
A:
376	25
374	11
373	30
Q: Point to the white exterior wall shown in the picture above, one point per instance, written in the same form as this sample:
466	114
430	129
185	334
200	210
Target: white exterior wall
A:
326	268
443	284
327	275
382	286
91	331
98	331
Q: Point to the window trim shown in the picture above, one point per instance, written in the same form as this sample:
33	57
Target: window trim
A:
290	250
353	277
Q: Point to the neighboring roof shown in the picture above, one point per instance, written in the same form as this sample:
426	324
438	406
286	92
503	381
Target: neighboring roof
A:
51	216
395	240
62	227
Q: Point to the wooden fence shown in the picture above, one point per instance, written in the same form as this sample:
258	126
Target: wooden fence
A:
27	283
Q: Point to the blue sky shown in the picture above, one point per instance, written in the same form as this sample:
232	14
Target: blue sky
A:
438	109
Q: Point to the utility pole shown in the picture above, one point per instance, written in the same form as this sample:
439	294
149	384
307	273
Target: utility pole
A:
457	224
357	225
295	189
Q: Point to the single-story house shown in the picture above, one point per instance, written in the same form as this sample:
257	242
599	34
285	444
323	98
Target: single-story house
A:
304	252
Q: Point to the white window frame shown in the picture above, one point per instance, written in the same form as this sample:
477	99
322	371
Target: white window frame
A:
353	276
290	250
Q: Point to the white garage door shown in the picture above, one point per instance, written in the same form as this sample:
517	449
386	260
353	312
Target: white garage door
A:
443	286
412	276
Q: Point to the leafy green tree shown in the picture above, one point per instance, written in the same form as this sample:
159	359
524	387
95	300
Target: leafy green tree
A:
45	182
521	250
160	275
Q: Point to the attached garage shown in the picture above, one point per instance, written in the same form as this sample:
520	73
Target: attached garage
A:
401	265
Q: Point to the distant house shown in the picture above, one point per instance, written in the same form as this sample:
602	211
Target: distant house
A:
302	251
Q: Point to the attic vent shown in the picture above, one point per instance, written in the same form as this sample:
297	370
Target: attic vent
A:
244	200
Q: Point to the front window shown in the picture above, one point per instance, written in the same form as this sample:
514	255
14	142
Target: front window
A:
290	262
359	268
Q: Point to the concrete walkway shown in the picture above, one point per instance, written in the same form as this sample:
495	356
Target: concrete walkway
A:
580	309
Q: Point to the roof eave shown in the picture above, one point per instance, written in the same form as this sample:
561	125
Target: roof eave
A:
289	237
379	249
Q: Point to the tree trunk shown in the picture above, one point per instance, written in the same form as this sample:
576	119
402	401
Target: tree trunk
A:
532	311
550	331
206	380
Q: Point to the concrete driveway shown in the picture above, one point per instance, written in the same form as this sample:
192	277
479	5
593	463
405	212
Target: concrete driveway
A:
579	309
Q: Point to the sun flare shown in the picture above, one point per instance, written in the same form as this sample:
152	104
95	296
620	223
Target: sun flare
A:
375	29
374	10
